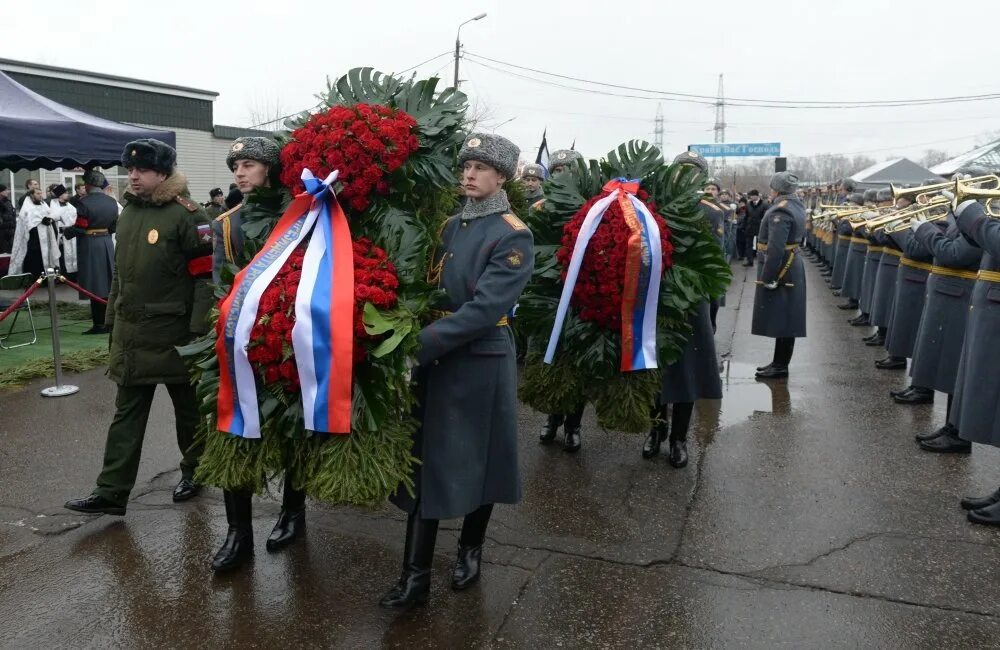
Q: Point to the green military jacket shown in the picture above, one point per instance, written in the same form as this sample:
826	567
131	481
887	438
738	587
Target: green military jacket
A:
160	292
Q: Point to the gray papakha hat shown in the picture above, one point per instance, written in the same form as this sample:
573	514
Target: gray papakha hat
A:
971	171
532	170
849	185
883	195
871	195
784	183
495	150
857	198
692	158
564	158
256	148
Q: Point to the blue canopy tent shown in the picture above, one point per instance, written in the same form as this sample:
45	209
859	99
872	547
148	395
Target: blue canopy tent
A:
38	133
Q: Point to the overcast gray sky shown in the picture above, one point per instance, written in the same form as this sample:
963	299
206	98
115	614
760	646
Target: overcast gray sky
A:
255	54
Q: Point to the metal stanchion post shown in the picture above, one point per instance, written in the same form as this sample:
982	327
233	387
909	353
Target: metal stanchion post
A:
60	389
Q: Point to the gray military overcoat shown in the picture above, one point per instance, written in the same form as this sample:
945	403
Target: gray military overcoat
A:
467	377
909	294
95	252
946	308
976	409
842	244
885	282
873	257
781	312
854	267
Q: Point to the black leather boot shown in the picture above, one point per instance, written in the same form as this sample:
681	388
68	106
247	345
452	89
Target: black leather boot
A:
291	520
470	547
549	429
237	550
572	431
988	516
654	441
680	422
414	585
946	430
978	503
915	395
891	363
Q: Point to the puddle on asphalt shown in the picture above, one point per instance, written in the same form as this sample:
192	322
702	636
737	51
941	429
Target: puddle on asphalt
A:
744	396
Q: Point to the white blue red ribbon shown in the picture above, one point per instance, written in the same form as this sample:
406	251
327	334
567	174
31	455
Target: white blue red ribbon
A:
322	337
643	271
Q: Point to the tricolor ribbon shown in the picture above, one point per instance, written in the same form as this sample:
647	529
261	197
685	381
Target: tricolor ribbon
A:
643	269
322	337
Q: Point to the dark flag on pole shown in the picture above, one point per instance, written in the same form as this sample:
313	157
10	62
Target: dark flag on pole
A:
543	152
572	147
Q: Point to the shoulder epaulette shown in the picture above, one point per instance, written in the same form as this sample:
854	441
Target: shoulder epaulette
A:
783	203
514	222
537	205
188	204
228	213
711	205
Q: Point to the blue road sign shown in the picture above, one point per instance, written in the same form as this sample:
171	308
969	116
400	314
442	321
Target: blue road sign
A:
764	149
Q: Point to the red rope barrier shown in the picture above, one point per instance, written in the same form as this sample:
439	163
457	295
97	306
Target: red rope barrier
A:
64	280
24	296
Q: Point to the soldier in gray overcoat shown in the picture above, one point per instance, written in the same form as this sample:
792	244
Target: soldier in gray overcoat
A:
467	374
976	408
854	267
779	309
908	308
842	245
96	221
715	214
563	161
942	326
694	376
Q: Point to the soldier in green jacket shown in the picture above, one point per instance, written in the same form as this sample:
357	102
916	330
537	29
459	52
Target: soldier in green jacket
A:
160	298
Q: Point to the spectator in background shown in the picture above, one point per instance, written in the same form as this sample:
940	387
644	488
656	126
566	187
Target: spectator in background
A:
741	218
216	205
36	244
756	207
729	224
79	191
8	220
29	185
63	214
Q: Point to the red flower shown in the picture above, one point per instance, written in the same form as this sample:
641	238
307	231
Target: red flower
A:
597	296
364	142
375	281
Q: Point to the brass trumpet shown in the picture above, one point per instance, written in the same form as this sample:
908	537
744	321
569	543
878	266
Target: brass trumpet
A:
883	221
915	194
971	188
940	210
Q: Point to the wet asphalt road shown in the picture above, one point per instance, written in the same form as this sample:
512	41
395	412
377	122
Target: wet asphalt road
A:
807	518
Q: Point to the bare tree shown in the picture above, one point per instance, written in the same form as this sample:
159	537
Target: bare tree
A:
266	112
933	157
987	137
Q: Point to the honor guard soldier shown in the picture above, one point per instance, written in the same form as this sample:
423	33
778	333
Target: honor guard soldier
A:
532	177
160	298
854	264
563	161
693	376
974	412
467	376
942	325
779	307
96	220
884	298
216	203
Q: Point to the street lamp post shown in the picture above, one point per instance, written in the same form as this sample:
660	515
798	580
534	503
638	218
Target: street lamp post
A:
458	43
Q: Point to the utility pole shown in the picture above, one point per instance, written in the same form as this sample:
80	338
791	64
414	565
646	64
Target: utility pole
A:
458	43
720	118
658	129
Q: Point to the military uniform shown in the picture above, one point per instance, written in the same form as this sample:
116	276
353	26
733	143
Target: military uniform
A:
781	312
882	302
96	221
909	293
873	257
715	215
841	245
159	299
949	288
467	381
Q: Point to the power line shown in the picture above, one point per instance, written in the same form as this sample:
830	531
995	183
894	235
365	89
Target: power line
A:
764	103
314	107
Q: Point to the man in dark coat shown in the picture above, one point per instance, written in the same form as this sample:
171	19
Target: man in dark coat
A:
216	203
96	221
532	177
8	220
692	377
779	308
975	412
467	374
756	207
160	298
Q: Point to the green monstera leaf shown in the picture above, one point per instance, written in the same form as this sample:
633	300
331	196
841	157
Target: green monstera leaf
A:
588	357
